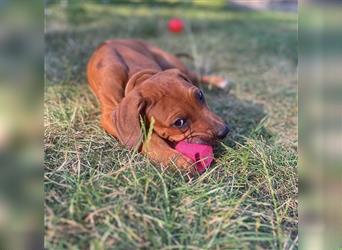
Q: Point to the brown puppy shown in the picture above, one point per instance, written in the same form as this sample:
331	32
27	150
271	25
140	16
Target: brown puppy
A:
133	79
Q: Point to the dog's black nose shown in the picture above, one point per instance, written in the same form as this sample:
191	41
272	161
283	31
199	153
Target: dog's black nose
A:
223	132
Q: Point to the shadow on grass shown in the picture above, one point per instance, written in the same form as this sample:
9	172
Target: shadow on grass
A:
245	118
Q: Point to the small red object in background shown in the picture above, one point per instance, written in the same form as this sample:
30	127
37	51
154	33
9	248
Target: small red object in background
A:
176	25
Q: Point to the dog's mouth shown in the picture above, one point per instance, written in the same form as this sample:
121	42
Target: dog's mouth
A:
200	140
193	140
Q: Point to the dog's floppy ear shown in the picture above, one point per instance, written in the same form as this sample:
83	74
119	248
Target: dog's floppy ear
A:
126	119
126	116
137	78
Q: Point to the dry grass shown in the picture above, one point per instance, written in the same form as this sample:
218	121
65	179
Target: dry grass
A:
102	196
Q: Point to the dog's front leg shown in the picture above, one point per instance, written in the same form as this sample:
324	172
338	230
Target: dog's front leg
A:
159	151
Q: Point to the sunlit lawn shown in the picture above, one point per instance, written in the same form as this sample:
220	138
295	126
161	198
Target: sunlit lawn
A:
100	195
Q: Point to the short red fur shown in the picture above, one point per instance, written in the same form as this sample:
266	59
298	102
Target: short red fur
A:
132	80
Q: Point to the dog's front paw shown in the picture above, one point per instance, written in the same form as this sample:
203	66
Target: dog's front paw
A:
183	161
184	164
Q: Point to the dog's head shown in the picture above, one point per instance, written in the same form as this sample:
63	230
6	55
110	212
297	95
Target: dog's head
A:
178	108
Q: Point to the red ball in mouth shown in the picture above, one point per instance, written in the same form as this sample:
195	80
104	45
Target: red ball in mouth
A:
176	25
200	153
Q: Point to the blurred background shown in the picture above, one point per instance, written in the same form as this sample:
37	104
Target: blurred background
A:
21	122
320	124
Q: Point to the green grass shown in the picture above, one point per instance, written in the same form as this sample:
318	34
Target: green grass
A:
101	196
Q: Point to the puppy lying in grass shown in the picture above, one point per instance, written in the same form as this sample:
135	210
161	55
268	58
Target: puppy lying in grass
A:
136	81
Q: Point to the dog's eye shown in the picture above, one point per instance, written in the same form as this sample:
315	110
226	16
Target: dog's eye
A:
179	123
200	96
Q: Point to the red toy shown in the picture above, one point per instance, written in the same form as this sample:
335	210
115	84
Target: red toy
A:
175	25
200	153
